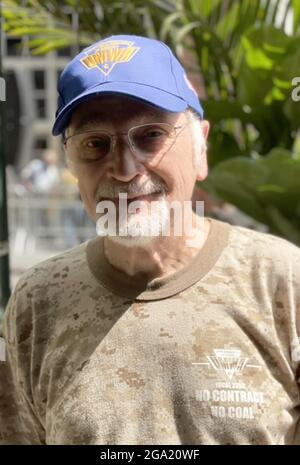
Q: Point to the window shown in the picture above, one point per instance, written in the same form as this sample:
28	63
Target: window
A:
14	46
39	93
40	144
40	108
39	79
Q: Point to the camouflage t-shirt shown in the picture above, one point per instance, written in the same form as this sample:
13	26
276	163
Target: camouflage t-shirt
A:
207	355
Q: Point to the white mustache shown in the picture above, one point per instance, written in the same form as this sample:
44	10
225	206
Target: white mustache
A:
132	190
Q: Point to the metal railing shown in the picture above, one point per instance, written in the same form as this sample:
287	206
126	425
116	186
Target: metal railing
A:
46	221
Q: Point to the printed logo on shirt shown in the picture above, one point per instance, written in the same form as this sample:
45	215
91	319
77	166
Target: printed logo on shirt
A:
229	397
2	350
229	362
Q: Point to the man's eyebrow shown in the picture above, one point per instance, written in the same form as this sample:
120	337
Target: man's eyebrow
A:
89	121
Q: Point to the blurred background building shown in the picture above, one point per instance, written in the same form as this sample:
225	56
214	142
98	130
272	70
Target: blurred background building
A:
31	85
45	212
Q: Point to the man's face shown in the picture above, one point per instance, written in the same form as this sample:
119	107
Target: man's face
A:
171	177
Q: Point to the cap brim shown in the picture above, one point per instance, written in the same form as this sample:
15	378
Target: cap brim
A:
152	95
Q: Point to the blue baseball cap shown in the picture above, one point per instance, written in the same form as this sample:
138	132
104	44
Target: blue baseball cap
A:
135	66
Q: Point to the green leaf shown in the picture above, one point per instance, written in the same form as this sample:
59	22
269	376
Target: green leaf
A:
296	14
167	24
282	225
267	189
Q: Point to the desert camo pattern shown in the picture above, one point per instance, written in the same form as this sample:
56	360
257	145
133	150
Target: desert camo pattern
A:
216	362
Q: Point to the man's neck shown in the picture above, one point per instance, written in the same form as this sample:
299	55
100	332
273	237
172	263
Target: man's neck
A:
160	257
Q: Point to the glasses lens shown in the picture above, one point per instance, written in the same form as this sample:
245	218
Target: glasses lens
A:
151	139
88	147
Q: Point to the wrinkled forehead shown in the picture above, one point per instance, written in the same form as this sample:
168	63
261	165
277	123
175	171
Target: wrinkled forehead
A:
115	109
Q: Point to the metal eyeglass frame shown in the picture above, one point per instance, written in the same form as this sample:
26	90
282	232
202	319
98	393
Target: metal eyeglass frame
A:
131	144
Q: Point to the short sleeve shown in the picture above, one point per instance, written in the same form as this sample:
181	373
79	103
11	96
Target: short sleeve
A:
19	422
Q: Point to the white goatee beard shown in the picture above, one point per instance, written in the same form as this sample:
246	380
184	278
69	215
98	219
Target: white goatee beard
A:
143	227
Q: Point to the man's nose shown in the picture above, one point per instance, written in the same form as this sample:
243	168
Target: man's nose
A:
124	164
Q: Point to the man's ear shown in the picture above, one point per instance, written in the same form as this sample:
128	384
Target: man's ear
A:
201	156
205	128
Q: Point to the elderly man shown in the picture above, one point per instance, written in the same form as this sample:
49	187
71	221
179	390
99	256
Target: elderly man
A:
138	338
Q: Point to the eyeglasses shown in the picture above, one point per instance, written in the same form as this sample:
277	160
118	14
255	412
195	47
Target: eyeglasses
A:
147	141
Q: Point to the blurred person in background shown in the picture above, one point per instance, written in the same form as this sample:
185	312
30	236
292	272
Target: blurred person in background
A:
41	178
42	175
